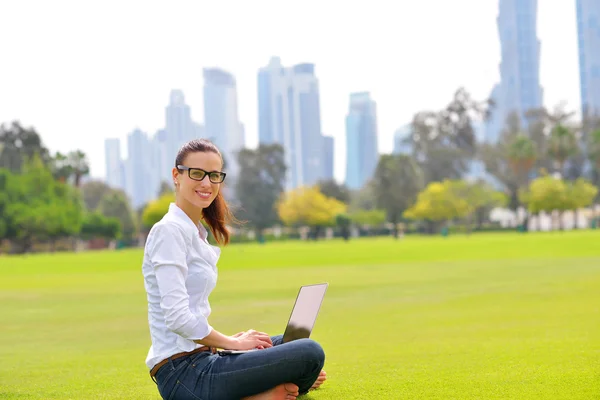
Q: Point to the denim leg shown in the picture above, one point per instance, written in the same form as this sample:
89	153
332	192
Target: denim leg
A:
240	375
277	340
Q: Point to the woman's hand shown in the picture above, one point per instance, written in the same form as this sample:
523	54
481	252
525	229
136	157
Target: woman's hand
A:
251	339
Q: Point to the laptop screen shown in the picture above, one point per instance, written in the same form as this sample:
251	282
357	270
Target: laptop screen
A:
305	311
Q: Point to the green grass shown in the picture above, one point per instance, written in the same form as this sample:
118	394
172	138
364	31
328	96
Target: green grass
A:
491	316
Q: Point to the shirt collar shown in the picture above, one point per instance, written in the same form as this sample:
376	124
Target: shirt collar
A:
179	213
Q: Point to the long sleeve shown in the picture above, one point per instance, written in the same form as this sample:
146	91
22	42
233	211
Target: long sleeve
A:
167	254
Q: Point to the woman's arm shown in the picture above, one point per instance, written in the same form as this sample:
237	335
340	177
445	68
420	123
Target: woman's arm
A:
242	341
167	253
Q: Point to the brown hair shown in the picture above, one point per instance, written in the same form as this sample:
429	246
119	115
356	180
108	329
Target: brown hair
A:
218	214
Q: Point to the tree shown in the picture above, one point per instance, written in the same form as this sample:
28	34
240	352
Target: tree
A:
562	145
93	192
61	169
343	222
444	142
396	183
261	181
331	188
157	209
368	218
482	198
79	164
511	159
580	194
41	208
115	204
522	155
8	193
593	151
165	188
19	144
363	198
440	201
308	206
97	225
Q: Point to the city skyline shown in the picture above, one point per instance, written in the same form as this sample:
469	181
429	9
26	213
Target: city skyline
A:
127	75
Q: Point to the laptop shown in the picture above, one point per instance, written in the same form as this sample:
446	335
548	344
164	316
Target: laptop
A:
303	317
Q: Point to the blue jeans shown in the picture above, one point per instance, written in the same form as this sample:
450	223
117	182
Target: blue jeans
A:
207	376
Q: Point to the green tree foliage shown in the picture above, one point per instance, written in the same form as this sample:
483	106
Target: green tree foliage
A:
549	194
440	201
331	188
308	206
97	225
41	208
115	204
444	142
343	222
93	192
259	185
157	209
18	145
562	145
396	183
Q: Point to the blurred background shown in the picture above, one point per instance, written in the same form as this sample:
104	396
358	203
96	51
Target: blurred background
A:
335	119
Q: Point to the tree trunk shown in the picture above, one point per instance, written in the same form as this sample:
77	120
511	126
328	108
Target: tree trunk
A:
395	223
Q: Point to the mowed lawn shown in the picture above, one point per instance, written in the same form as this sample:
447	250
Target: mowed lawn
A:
491	316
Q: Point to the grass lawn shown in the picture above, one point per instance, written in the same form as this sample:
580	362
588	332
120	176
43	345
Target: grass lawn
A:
491	316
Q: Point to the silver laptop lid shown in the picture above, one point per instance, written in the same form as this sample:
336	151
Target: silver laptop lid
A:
305	311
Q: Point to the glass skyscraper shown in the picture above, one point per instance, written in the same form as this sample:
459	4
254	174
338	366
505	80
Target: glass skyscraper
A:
361	140
221	122
289	114
519	89
588	37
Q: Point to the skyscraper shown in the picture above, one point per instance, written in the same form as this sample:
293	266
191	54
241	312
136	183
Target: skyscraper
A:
289	114
221	121
401	136
588	35
361	140
114	165
328	157
142	185
519	89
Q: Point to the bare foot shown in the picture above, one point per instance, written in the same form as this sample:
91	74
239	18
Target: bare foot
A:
285	391
322	377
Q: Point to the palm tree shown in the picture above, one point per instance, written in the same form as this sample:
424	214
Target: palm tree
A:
562	145
522	155
79	164
593	151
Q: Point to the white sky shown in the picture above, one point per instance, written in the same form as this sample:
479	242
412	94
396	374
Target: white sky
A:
103	68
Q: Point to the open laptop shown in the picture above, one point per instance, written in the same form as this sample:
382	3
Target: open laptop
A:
303	316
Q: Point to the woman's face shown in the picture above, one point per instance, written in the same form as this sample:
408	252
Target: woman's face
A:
200	189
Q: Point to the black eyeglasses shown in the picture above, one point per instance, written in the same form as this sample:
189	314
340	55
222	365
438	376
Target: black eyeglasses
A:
198	174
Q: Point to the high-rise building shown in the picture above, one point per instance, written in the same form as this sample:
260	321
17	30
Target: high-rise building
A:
289	114
328	157
179	125
142	184
361	140
114	165
588	35
222	125
519	89
401	143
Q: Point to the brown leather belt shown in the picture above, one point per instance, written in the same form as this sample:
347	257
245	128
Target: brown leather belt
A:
155	369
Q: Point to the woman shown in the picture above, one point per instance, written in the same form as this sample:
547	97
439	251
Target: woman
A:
179	274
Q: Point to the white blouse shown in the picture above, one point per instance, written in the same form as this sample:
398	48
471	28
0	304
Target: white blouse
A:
180	272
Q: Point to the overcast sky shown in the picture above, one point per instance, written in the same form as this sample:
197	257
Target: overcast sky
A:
104	68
